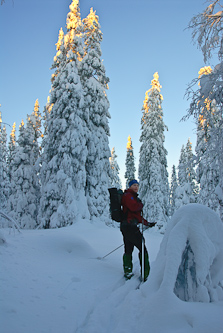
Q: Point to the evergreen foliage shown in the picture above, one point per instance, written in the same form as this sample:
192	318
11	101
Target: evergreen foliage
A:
208	34
187	190
208	171
153	175
63	174
173	188
115	180
25	190
95	83
74	167
4	178
129	163
11	149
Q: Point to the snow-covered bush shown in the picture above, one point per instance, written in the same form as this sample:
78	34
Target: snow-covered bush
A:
189	262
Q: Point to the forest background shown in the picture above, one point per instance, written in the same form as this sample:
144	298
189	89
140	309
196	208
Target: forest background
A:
138	40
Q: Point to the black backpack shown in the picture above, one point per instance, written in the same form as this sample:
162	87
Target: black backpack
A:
115	204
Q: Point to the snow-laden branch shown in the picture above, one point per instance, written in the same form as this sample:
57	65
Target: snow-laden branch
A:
11	220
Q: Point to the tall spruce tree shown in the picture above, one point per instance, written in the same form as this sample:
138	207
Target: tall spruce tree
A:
95	83
129	163
115	180
153	175
25	190
63	174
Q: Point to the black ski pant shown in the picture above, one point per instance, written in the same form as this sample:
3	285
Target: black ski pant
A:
132	237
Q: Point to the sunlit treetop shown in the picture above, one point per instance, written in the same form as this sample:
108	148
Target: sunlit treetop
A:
38	117
74	16
92	32
36	107
156	86
12	135
21	125
74	29
129	143
204	71
155	82
59	43
91	21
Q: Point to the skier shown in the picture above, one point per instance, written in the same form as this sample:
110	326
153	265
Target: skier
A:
132	208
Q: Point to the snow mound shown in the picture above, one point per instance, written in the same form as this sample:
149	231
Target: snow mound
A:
60	241
189	262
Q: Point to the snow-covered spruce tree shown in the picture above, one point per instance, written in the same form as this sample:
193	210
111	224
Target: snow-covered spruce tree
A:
95	83
190	170
182	175
173	187
63	174
4	178
208	33
187	190
36	120
25	190
129	163
153	175
114	180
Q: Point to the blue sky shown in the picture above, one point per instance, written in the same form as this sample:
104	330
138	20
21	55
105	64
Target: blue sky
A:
139	38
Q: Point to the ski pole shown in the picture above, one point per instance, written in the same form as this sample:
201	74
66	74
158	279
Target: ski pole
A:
143	273
100	258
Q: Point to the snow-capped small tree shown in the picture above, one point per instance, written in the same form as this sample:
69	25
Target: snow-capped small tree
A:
129	163
95	84
208	34
63	175
153	175
114	180
25	190
173	187
187	190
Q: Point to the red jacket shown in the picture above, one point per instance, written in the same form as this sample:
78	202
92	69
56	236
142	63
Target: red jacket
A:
133	206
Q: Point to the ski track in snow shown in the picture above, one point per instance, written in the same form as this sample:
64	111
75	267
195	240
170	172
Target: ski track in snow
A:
52	281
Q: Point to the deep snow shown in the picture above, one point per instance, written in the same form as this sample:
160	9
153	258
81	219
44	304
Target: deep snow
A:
53	281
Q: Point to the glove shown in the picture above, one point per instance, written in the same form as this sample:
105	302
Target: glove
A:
151	224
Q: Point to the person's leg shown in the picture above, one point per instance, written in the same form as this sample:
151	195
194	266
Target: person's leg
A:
135	237
127	256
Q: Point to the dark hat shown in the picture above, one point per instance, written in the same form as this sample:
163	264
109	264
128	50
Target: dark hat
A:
133	181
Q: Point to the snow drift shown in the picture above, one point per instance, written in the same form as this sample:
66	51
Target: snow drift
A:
189	262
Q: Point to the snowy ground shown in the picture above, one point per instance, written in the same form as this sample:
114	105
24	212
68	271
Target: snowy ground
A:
53	281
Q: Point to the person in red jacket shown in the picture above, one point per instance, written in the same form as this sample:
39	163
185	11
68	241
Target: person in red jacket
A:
132	208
